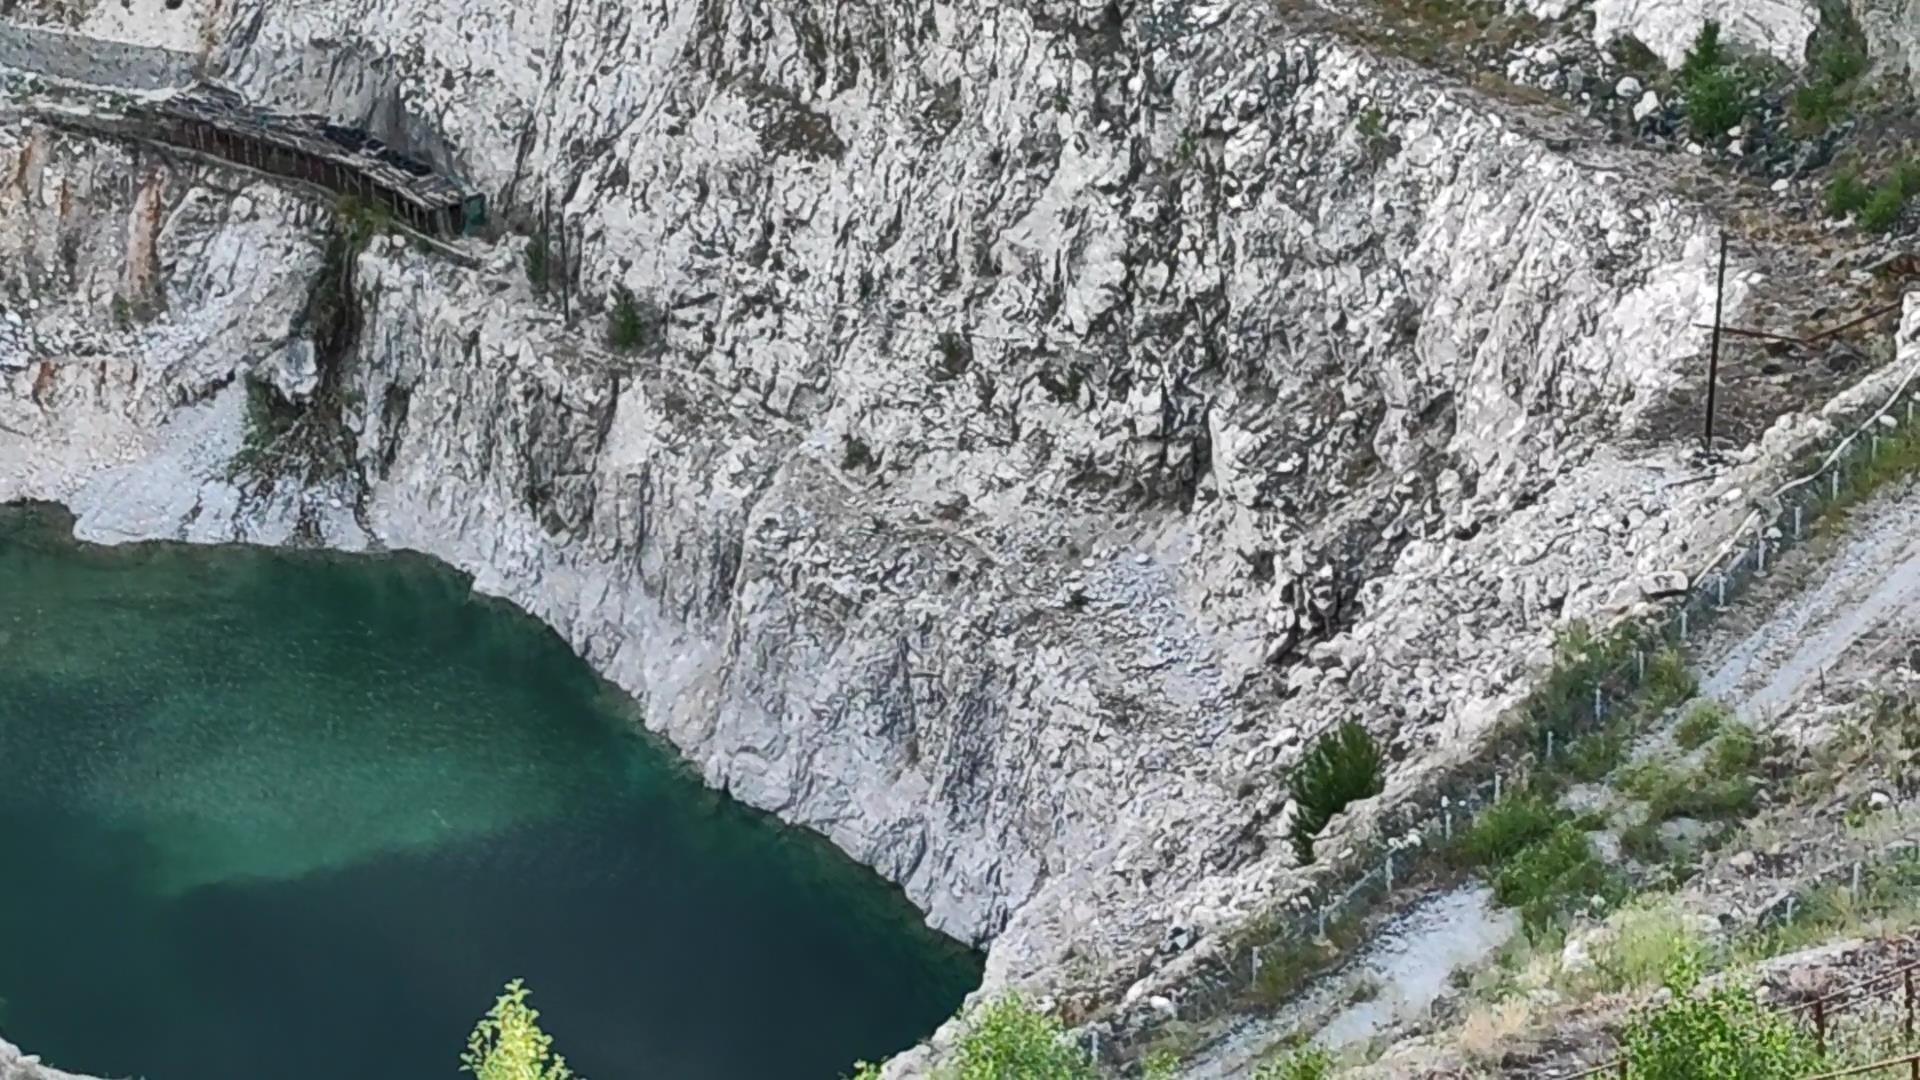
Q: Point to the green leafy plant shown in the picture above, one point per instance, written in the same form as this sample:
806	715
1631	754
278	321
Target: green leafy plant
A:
1884	209
1846	192
1310	1063
1735	752
1508	827
634	326
508	1044
1715	102
1709	53
1162	1064
1702	722
535	262
1720	1034
1343	766
1649	938
1552	876
1668	682
1007	1039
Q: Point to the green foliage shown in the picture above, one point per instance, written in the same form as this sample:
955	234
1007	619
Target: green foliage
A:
1701	724
1884	209
1594	755
1552	876
1310	1063
1670	794
1648	940
1714	102
507	1043
1642	842
1708	54
1721	1034
1344	765
1007	1039
1508	827
536	262
865	1070
1668	682
1846	192
634	326
1162	1064
1906	177
1840	62
1734	753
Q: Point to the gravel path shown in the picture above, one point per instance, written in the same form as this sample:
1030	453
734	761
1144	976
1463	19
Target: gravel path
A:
1871	585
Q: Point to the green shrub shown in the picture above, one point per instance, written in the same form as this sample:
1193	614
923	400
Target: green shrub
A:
1708	800
1343	766
634	326
1840	63
1847	193
507	1043
1551	876
1505	828
1722	1034
1734	753
1007	1038
1592	757
1311	1063
1162	1064
1668	682
1715	102
1709	53
1906	177
1701	724
1883	210
1648	940
535	262
1642	843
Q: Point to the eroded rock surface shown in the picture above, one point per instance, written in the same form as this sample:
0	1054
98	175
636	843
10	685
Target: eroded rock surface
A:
1049	417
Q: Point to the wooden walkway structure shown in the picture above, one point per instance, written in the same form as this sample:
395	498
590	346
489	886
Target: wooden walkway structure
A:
312	148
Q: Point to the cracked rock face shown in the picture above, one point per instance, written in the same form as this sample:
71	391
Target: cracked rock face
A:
1051	418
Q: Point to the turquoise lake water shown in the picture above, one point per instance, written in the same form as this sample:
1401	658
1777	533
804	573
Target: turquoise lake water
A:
276	816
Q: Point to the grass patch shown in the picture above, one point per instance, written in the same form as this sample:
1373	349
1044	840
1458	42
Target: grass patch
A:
1649	939
1668	682
1343	767
1889	898
1702	722
1847	193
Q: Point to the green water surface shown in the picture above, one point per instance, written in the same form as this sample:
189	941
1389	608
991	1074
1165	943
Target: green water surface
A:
268	816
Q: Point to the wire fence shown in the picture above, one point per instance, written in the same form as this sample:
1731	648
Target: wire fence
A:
1265	967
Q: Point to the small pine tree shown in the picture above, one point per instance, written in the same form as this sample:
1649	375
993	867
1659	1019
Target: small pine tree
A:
1709	53
507	1043
1343	766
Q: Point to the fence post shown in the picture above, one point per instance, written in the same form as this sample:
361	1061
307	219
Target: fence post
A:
1447	823
1389	873
1760	555
1909	987
1820	1024
1720	591
1683	624
1856	880
1496	786
1833	484
1599	706
1796	523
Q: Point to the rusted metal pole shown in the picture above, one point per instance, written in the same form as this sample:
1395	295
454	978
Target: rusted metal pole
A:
1713	362
1909	980
1820	1024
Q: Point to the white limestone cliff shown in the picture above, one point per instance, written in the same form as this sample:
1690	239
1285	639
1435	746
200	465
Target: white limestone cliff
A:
1057	416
